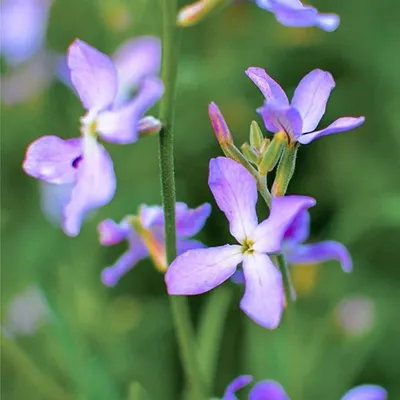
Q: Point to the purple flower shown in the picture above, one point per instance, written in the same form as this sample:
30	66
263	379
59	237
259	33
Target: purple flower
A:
295	13
145	236
296	252
300	118
23	28
198	271
271	390
83	163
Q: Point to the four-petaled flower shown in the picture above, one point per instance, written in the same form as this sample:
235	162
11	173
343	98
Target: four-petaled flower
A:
295	13
83	163
299	118
198	271
145	236
272	390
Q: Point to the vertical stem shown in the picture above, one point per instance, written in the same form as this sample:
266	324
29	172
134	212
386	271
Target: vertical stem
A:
179	306
287	283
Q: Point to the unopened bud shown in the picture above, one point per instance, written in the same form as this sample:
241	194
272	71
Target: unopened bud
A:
256	136
149	126
272	153
249	153
285	170
193	13
219	125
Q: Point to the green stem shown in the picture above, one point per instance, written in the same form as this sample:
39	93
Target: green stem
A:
25	365
179	306
287	283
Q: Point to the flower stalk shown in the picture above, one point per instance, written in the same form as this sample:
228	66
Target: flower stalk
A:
179	306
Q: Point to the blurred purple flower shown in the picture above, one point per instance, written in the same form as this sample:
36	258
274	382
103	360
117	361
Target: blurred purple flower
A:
300	118
83	162
198	271
294	13
148	239
272	390
23	28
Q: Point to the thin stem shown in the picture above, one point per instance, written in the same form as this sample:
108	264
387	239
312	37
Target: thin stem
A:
179	306
48	388
287	283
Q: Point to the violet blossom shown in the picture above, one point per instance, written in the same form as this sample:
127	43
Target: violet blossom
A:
83	163
272	390
299	119
200	270
295	14
145	237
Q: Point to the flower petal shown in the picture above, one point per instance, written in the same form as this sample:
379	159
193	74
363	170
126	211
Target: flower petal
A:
93	75
269	88
318	253
200	270
277	118
137	251
190	221
311	96
182	246
122	124
299	229
111	233
52	159
23	28
235	385
340	125
235	192
95	185
269	234
268	390
134	60
263	298
366	392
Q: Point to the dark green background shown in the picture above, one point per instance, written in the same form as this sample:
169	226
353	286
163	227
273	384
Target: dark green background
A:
100	341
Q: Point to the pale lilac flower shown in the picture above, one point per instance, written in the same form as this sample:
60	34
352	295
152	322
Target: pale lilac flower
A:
272	390
148	239
198	271
23	28
300	118
83	163
294	13
25	313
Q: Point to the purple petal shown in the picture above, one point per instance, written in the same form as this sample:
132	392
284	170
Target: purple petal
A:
151	216
95	185
269	88
235	192
294	13
93	75
200	270
112	233
122	124
238	277
269	234
53	159
340	125
219	125
318	253
134	60
23	28
299	229
137	251
263	298
182	246
366	392
277	118
149	125
268	390
189	222
237	384
311	96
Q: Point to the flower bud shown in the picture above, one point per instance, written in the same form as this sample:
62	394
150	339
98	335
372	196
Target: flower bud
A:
219	125
285	170
250	153
149	126
256	136
194	13
272	153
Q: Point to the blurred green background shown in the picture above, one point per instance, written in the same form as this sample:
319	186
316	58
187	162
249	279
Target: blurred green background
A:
101	343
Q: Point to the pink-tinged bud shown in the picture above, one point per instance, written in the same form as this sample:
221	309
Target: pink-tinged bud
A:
219	125
149	126
193	13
